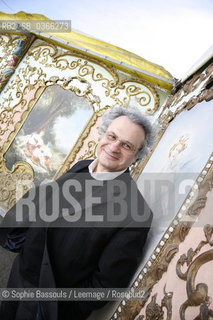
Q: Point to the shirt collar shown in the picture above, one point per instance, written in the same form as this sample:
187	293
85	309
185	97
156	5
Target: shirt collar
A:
103	175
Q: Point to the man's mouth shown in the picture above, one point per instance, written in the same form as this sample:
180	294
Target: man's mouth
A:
111	155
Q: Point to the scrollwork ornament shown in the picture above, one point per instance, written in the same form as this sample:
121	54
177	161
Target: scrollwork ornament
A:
43	52
171	251
145	95
22	43
197	206
208	231
195	90
143	98
160	269
90	152
67	84
14	183
130	311
197	294
161	262
87	69
47	55
205	312
140	317
184	230
154	311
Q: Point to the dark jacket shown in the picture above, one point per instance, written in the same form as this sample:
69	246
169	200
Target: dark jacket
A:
104	255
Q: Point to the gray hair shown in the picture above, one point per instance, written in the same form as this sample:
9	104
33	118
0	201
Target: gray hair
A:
136	117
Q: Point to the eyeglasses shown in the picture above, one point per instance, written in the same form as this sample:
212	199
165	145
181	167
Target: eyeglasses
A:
124	145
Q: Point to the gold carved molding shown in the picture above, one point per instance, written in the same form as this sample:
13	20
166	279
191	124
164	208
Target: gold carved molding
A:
199	88
197	294
90	68
156	311
29	77
15	183
167	247
7	123
90	72
90	152
67	85
141	90
48	56
21	172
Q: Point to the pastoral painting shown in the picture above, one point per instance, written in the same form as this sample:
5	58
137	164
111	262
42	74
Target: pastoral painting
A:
50	131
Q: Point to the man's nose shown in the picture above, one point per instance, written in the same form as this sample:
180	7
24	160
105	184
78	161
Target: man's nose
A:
115	146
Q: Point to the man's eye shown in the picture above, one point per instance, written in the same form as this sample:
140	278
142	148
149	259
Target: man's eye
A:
126	146
111	136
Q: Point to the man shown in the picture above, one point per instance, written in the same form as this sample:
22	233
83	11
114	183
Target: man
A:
96	239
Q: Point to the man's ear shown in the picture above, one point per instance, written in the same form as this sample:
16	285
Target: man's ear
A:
135	161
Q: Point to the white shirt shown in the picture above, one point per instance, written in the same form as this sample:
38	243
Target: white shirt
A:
103	175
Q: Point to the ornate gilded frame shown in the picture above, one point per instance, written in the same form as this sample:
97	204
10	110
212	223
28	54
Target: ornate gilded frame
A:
46	64
198	88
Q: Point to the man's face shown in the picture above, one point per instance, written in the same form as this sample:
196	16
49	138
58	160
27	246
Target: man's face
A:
118	148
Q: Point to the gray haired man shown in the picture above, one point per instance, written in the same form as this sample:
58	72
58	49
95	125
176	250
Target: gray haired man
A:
83	254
